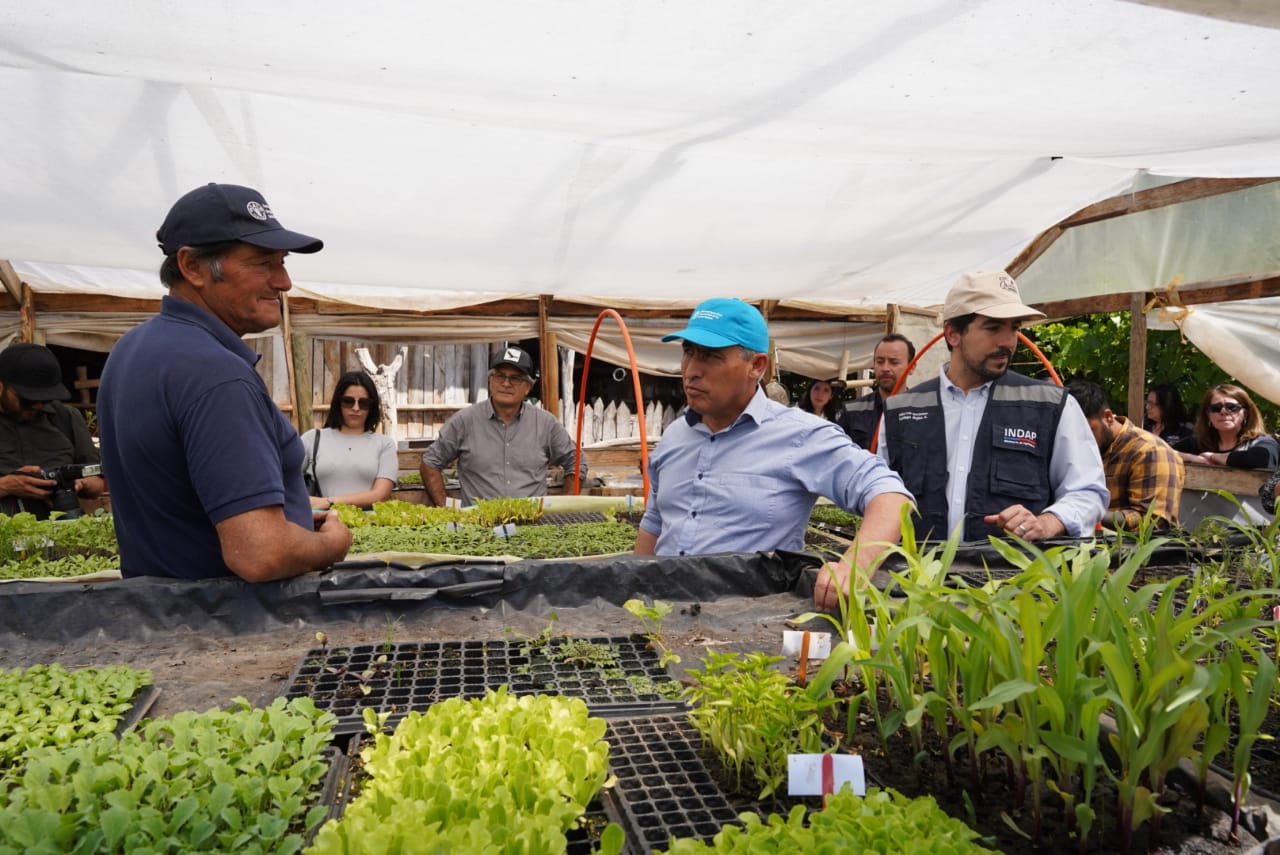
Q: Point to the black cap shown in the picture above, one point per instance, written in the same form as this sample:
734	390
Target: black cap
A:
220	212
33	372
514	356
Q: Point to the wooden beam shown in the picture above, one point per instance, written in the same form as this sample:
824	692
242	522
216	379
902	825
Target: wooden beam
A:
1137	359
299	344
27	315
1226	289
12	284
1130	203
549	359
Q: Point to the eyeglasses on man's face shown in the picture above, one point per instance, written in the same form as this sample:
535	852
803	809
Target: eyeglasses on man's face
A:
507	377
354	403
1228	406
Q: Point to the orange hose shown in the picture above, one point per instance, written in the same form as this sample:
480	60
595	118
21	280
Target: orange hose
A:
1044	360
582	403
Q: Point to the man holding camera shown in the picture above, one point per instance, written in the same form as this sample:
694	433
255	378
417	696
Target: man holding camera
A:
46	454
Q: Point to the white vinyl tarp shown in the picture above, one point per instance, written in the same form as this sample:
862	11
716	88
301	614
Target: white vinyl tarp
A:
842	154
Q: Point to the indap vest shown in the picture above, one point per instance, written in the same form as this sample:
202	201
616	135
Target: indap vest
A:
861	419
1011	452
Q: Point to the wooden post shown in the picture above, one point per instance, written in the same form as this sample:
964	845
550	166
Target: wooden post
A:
1137	358
549	359
286	330
27	315
771	368
299	345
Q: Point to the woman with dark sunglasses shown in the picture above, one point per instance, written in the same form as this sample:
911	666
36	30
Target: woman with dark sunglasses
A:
1229	432
347	461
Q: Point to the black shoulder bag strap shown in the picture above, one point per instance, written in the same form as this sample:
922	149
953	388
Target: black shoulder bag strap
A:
315	450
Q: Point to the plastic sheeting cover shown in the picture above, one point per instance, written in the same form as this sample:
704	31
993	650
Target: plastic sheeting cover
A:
147	607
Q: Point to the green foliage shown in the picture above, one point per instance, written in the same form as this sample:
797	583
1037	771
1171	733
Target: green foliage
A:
754	716
884	821
651	617
1096	347
497	774
238	781
833	516
49	705
32	548
533	541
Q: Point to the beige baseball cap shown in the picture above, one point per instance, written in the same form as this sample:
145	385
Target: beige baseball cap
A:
988	292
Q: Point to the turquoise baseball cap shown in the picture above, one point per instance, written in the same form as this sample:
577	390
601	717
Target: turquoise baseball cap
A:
724	322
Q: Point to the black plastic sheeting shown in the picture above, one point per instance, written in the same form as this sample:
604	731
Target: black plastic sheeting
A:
147	607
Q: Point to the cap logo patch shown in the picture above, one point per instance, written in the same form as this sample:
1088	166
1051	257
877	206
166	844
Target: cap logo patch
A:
1008	284
706	315
511	355
259	210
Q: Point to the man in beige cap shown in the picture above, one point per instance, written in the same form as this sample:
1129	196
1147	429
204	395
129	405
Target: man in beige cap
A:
985	448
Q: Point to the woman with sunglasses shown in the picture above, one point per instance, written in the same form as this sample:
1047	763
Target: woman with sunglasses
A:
353	465
1229	432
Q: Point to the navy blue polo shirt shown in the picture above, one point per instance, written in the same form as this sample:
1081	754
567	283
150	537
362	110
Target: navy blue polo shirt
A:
191	437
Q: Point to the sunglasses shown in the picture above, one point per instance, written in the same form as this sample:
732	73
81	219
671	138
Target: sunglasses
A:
504	377
356	403
1230	408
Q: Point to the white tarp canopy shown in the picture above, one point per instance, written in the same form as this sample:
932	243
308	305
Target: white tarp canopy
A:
821	154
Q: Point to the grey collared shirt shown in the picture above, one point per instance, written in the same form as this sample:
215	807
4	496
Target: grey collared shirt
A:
498	460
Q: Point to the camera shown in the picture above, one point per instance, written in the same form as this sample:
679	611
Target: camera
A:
64	496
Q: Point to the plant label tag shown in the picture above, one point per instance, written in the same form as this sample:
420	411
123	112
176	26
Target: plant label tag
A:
451	502
819	643
505	530
453	526
874	644
822	774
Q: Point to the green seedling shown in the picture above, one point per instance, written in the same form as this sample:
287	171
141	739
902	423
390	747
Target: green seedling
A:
496	774
651	617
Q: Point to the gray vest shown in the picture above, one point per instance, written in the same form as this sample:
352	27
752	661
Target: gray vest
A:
1011	452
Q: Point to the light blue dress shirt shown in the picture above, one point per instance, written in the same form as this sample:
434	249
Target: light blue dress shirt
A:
1075	468
751	486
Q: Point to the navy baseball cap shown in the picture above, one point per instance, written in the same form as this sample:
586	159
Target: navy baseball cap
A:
220	212
724	322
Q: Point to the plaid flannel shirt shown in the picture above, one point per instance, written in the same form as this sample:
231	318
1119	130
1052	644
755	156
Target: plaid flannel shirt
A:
1144	474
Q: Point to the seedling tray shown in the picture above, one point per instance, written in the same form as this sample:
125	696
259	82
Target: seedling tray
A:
570	517
664	788
416	675
143	700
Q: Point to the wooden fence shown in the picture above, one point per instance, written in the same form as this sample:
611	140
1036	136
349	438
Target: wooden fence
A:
431	383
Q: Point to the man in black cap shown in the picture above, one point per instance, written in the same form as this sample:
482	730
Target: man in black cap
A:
38	434
503	445
205	471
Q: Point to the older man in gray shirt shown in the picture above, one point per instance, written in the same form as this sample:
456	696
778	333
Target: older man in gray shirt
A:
503	445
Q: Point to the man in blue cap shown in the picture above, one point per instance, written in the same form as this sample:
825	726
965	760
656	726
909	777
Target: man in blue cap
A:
205	471
737	472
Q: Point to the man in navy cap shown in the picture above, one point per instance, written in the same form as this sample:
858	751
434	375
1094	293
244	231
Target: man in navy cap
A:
737	472
39	434
205	471
502	445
